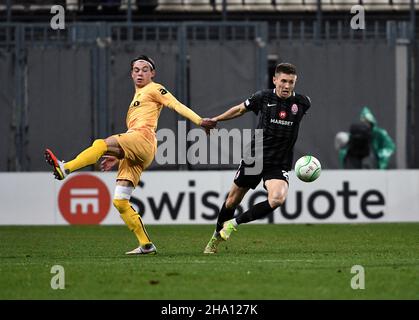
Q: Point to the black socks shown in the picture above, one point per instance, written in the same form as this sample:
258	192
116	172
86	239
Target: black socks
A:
258	211
224	215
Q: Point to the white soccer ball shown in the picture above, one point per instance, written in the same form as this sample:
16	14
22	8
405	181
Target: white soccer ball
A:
308	168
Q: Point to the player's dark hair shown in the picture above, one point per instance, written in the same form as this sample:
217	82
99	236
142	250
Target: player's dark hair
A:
145	58
286	68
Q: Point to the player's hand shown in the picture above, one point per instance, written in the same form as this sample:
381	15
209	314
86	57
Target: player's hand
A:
108	162
208	124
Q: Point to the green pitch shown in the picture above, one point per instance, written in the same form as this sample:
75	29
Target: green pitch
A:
258	262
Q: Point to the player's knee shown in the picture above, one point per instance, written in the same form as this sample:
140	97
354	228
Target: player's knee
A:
121	198
99	143
276	201
121	204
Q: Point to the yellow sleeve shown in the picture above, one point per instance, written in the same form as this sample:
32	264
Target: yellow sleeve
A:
167	99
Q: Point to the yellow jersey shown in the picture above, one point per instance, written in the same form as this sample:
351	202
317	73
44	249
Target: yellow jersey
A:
148	101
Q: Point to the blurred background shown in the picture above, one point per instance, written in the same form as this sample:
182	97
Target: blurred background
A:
63	88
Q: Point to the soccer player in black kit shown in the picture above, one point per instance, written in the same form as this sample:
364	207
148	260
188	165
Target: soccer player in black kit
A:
280	111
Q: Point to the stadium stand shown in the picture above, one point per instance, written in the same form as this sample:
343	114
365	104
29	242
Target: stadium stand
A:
284	12
32	5
208	5
203	10
286	18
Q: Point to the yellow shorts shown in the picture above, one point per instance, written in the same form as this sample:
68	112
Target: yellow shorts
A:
140	147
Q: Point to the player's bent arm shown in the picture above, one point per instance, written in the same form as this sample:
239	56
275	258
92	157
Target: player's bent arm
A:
232	113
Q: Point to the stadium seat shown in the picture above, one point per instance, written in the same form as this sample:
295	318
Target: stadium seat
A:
232	5
124	5
379	2
314	2
376	4
185	5
170	5
246	5
290	5
261	5
346	2
72	5
311	2
198	5
404	4
327	5
34	5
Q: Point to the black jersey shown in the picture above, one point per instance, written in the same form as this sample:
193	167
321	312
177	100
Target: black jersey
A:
280	120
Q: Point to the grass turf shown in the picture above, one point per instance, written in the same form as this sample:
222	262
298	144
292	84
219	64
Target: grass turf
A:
258	262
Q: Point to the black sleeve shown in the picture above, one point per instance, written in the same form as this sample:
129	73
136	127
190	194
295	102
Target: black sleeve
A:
254	103
305	101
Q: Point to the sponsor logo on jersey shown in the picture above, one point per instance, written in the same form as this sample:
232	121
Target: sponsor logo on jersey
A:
163	91
282	114
282	122
294	109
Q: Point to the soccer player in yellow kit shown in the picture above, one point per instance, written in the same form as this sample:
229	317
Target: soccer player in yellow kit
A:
134	149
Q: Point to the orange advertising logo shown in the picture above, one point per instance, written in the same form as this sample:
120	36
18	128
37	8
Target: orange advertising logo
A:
84	199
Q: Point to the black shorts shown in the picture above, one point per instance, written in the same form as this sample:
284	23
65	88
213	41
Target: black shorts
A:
251	181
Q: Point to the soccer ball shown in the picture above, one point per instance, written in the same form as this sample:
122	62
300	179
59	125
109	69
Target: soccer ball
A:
307	168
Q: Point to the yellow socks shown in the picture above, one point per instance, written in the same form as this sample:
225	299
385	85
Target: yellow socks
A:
87	157
133	220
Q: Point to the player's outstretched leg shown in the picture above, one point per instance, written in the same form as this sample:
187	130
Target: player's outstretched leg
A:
87	157
57	165
258	211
